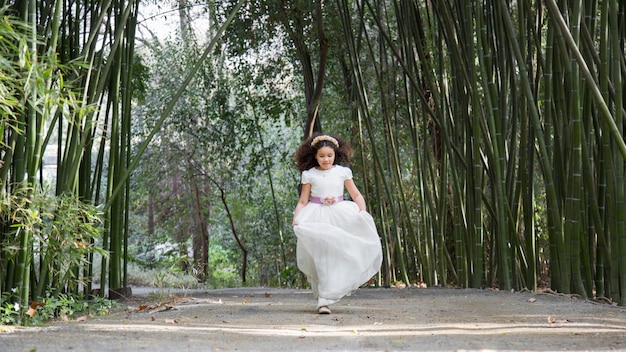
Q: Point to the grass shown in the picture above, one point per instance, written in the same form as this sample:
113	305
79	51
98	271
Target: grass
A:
160	278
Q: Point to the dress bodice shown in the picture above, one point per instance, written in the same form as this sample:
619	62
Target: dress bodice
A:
325	183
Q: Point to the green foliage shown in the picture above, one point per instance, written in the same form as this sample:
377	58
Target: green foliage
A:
235	131
53	306
162	277
290	276
13	79
157	263
223	263
17	214
64	233
140	79
9	312
47	238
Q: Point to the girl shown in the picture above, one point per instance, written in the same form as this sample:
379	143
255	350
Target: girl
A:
338	246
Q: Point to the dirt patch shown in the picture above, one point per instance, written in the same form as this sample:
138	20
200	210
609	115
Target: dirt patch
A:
273	319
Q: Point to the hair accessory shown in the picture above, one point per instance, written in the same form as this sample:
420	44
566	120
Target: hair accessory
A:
324	138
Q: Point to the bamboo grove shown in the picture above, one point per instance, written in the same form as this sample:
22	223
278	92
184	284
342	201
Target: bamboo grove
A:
67	88
495	130
77	57
492	131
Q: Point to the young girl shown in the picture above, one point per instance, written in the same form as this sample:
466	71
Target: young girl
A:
338	246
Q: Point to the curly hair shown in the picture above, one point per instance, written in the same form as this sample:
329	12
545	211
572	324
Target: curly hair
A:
305	155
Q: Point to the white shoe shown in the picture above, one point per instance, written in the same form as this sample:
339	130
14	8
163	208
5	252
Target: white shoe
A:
323	310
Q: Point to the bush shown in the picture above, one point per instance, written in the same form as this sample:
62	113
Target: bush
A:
53	306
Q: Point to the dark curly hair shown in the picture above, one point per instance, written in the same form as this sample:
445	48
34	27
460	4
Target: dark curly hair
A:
305	155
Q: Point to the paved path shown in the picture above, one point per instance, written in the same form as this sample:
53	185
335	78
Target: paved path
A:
271	319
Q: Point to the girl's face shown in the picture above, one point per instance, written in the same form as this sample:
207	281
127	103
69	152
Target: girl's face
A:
325	157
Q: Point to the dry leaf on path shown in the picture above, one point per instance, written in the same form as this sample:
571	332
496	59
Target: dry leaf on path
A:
553	320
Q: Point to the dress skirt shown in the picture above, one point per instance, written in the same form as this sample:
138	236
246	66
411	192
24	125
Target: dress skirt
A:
338	248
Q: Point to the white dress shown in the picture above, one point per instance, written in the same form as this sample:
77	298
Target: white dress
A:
338	246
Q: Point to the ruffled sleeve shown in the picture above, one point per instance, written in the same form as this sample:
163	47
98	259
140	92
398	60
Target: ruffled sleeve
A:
347	173
306	177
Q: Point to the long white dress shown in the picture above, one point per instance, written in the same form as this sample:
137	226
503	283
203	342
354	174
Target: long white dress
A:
338	246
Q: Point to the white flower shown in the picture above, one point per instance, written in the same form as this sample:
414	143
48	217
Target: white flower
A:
328	200
16	306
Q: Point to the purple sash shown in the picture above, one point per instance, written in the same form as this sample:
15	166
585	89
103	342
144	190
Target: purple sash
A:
326	200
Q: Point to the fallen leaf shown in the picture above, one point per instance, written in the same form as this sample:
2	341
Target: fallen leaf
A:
36	305
532	300
553	320
31	312
245	302
32	308
142	307
267	294
302	329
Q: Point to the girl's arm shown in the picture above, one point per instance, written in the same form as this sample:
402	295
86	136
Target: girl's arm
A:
302	202
356	196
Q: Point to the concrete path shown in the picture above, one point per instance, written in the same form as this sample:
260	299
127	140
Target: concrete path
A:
272	319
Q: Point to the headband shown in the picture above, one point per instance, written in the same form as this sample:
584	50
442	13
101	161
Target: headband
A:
324	138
